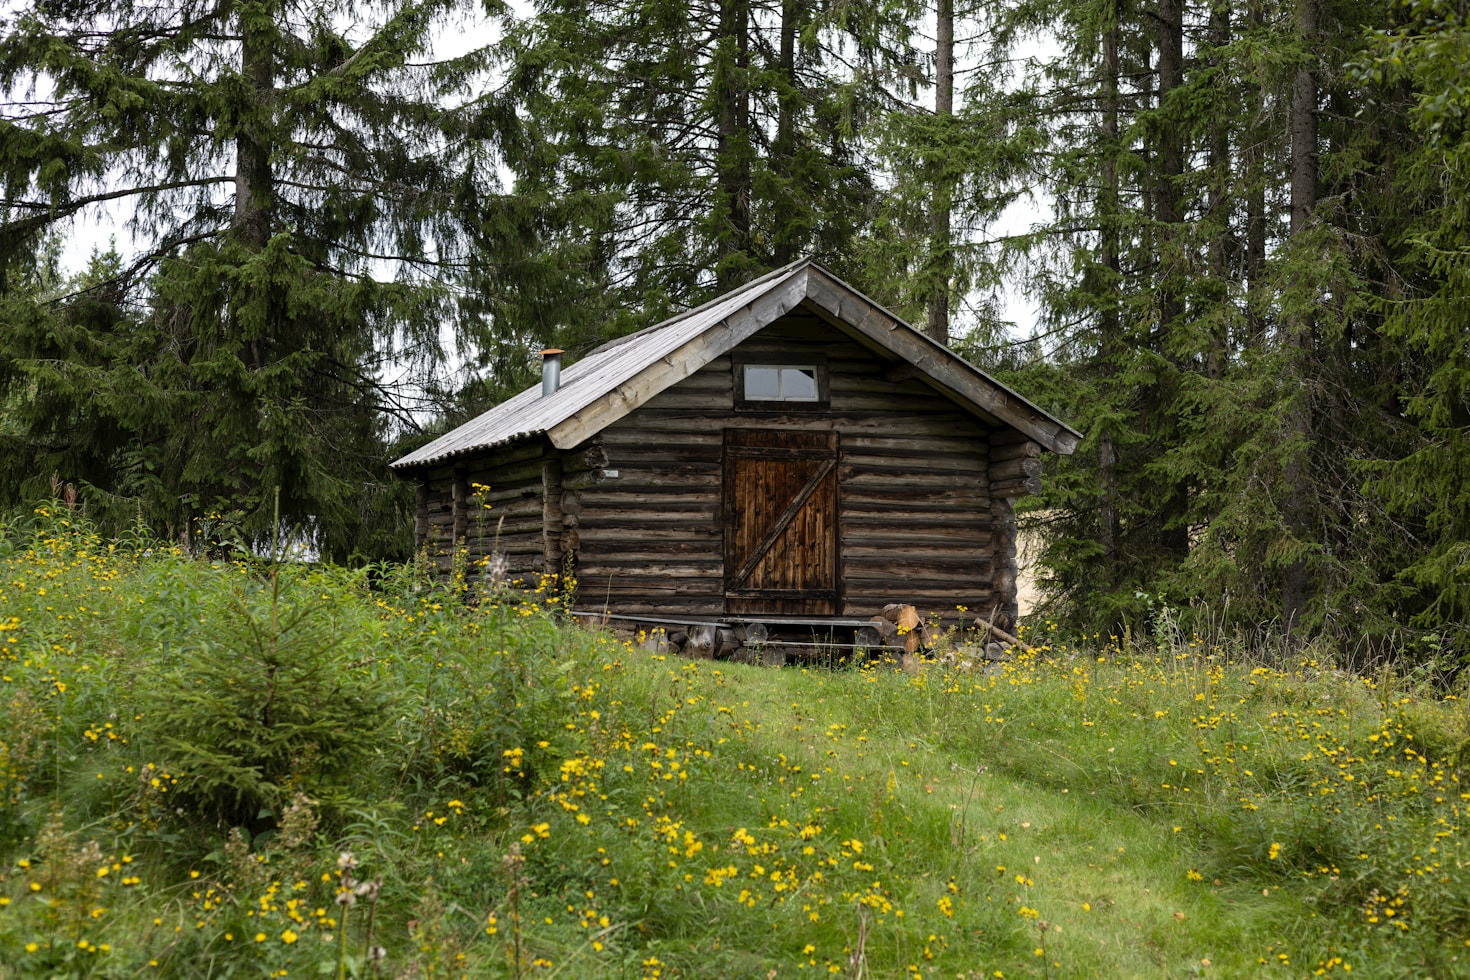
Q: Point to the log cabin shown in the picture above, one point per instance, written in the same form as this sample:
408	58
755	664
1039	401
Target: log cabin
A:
789	452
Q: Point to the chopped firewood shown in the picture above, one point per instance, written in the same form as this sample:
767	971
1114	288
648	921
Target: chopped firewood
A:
886	629
901	614
702	642
726	643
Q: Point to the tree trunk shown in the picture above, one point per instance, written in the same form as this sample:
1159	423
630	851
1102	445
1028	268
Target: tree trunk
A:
251	222
253	176
941	245
1221	238
784	149
732	84
1171	163
1172	533
1254	152
1300	328
1109	339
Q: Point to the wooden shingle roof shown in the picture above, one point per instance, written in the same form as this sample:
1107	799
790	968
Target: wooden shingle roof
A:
619	376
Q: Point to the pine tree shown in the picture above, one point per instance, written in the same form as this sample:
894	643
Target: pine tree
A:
296	187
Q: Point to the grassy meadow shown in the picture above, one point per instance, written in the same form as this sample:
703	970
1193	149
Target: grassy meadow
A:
220	768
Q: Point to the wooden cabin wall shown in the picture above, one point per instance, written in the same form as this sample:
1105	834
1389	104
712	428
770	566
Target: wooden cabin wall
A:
916	522
451	513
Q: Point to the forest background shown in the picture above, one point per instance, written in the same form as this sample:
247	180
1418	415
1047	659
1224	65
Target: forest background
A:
1250	283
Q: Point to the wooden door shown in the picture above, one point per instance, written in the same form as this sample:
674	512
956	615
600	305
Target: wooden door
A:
781	522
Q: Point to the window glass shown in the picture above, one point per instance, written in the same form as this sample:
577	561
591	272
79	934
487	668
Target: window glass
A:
799	384
780	383
762	383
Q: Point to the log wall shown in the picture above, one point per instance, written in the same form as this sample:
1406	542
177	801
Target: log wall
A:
453	512
916	519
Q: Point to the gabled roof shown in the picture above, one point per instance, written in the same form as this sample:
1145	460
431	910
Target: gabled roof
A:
621	375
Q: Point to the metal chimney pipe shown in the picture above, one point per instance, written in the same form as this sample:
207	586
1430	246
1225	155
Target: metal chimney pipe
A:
550	371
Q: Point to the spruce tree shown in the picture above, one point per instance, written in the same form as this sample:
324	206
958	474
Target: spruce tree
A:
1415	68
294	176
700	144
951	152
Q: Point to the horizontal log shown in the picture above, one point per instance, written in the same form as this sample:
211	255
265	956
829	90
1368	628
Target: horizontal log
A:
681	430
869	570
588	568
918	534
613	593
663	550
509	509
874	470
919	499
630	461
916	444
512	474
713	377
583	479
624	527
513	492
857	554
672	479
904	512
1014	450
878	586
857	400
1020	468
691	505
1016	488
664	606
511	525
895	522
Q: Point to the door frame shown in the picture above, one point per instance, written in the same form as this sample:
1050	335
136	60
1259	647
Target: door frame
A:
829	457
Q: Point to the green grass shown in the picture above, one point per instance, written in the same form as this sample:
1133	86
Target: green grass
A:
524	798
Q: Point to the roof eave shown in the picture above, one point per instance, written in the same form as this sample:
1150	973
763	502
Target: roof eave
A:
406	464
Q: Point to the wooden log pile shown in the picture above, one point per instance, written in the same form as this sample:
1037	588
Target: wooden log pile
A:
896	635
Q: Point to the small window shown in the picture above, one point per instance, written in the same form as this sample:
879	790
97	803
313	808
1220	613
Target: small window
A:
782	383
